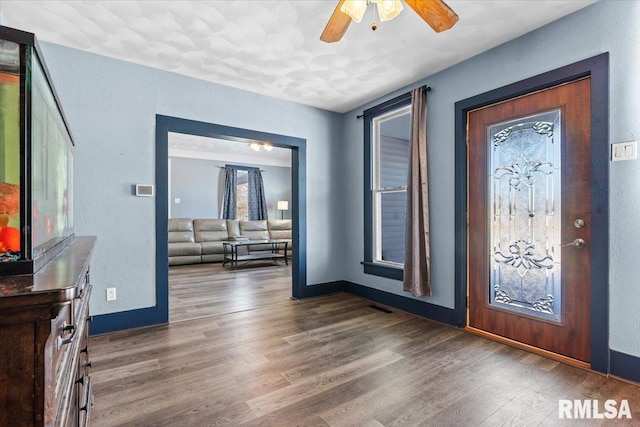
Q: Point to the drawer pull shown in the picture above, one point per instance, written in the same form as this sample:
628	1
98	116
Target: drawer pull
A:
64	341
85	350
80	380
88	397
88	365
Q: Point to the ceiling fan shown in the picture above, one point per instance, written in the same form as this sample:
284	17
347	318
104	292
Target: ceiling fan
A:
436	13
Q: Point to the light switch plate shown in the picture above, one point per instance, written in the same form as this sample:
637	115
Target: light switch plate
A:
624	151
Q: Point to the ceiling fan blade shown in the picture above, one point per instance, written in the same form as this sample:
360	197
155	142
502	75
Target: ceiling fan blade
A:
436	13
337	25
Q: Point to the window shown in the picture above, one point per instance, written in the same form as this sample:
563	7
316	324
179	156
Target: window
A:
242	196
387	130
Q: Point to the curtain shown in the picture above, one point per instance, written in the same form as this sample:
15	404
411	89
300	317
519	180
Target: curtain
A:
229	196
417	258
257	200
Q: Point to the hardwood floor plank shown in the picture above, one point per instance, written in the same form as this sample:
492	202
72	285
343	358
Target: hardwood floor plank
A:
101	376
136	404
209	289
528	408
290	395
328	361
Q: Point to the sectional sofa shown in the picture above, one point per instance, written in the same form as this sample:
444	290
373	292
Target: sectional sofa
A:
193	241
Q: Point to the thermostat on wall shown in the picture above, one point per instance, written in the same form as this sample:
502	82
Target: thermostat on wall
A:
144	190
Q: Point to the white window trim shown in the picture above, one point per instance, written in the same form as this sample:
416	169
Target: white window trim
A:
377	191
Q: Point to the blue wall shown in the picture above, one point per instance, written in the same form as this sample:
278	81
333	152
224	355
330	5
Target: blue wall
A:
112	106
607	26
199	184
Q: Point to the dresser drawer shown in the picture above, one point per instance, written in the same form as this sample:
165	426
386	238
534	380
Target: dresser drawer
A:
63	333
85	397
73	358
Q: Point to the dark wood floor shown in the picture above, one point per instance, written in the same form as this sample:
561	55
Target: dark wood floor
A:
334	361
201	290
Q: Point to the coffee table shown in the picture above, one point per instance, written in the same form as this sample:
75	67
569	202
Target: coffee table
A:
231	255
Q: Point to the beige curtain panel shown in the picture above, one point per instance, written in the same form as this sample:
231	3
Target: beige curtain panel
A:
417	253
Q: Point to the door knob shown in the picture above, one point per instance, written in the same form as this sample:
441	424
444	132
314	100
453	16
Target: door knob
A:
578	243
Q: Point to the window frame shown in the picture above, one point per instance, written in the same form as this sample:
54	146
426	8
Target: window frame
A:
373	239
242	212
244	169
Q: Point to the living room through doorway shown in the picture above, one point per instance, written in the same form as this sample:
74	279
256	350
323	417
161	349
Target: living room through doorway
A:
195	184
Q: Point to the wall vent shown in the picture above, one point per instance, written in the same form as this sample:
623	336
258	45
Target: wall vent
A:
384	310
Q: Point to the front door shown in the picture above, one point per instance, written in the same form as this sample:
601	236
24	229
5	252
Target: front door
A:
529	219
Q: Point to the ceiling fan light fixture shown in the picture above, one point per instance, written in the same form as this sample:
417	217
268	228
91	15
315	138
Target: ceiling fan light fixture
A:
267	146
388	9
354	9
255	146
436	13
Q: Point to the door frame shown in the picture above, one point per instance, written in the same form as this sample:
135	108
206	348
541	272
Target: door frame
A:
597	68
166	124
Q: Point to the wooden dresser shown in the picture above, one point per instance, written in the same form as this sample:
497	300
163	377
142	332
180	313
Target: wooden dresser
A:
44	354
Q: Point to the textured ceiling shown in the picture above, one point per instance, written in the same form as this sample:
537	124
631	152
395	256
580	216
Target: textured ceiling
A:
273	47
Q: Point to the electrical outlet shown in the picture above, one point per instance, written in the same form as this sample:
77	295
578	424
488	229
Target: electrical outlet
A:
111	294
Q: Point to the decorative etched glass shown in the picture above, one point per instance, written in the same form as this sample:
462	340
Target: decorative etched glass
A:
524	215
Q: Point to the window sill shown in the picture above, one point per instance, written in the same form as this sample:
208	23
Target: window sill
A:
383	270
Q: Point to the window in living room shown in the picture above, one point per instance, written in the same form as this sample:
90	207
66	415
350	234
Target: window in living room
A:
242	196
387	129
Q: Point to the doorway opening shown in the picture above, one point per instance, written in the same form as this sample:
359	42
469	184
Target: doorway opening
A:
297	146
596	69
206	175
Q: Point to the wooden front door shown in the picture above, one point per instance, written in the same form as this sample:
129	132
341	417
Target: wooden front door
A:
529	219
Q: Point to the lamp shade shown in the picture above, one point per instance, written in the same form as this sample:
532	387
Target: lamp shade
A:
388	9
354	8
283	205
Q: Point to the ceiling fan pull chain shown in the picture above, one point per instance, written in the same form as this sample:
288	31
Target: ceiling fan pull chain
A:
374	26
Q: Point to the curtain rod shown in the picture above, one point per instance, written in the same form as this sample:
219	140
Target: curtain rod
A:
243	168
427	88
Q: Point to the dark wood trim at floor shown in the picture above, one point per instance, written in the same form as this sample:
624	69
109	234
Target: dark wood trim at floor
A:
330	360
625	366
410	305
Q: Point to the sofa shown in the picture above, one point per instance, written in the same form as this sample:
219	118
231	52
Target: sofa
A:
193	241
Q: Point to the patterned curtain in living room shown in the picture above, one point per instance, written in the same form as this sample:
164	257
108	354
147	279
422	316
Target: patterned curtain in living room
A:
229	197
257	199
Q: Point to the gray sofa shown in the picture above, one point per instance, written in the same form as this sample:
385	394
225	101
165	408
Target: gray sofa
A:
193	241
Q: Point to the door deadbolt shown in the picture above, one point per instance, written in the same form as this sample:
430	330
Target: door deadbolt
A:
578	223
